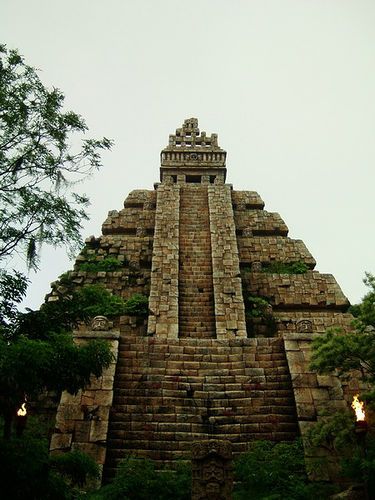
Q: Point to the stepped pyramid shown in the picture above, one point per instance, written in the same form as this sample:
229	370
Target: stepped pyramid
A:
224	352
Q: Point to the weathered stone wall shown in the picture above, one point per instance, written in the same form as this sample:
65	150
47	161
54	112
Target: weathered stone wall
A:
172	392
229	306
270	249
163	303
308	290
255	222
128	238
138	214
244	200
82	419
311	321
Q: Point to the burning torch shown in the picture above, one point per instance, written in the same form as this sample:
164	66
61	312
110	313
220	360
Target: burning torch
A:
360	415
360	432
21	419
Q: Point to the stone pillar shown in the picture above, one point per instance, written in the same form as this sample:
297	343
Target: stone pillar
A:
163	301
82	419
212	476
229	306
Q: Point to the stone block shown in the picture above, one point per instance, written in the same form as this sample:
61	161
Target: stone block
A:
98	431
304	380
303	395
61	441
103	398
306	411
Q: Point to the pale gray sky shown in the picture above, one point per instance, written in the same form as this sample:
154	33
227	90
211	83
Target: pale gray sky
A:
287	84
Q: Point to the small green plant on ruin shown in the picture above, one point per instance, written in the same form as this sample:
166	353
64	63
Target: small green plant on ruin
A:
94	265
95	300
259	317
285	267
136	305
257	307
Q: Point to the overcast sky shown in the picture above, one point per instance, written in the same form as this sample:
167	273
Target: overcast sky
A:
288	85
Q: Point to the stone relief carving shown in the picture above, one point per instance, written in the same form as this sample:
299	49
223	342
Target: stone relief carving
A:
101	323
304	326
212	470
256	267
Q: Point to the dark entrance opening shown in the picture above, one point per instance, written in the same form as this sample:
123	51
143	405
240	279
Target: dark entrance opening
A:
194	179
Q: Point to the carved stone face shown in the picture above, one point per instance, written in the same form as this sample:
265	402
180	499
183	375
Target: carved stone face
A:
305	326
213	471
256	267
100	323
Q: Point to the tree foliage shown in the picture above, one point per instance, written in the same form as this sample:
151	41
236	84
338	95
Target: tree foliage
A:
27	367
343	352
338	350
275	471
13	287
27	470
42	158
38	164
138	479
356	456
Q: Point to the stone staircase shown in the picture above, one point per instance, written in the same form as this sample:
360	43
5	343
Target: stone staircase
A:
171	393
196	302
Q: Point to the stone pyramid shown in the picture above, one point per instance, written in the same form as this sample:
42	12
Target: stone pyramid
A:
233	306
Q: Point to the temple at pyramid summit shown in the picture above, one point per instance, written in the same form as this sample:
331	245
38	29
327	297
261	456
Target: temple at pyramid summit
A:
233	305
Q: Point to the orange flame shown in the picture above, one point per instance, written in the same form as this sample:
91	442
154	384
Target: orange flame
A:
358	408
22	411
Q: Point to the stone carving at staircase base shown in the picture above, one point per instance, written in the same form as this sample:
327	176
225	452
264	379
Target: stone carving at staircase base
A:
212	476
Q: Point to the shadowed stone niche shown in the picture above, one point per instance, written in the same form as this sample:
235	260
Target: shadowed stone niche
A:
212	470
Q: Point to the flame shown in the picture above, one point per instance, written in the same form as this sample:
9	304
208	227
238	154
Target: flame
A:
358	408
22	411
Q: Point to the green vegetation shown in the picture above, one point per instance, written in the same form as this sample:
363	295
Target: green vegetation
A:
28	367
77	306
137	305
94	265
137	479
257	307
38	165
285	267
356	457
275	471
39	168
95	300
259	317
337	350
341	352
27	470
